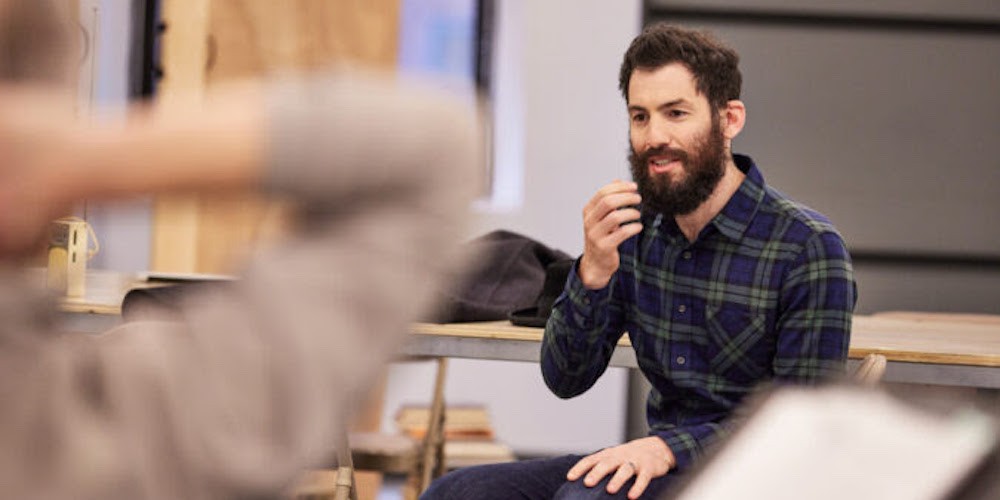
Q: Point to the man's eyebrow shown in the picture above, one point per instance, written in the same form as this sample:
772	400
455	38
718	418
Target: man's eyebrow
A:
666	105
673	103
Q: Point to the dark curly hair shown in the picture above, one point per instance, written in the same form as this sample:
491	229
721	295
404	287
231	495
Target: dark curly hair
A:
714	65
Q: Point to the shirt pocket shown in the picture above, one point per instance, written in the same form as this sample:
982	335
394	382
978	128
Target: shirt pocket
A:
739	347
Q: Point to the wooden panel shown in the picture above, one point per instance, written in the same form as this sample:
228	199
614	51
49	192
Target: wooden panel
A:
253	37
175	218
210	41
184	48
939	340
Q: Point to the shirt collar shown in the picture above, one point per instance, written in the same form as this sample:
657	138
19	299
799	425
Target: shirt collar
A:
736	215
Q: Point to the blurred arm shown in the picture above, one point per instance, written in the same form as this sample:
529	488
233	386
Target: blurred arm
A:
248	387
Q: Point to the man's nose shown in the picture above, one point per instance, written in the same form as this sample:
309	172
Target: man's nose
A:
660	134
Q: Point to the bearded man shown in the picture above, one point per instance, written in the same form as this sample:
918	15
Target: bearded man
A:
721	282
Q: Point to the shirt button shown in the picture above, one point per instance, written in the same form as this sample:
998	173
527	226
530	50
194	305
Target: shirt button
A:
681	360
687	255
682	308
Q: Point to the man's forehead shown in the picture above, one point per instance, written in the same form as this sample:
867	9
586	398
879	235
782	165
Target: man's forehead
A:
657	86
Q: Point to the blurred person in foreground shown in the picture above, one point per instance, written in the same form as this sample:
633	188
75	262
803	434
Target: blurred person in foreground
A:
721	282
249	385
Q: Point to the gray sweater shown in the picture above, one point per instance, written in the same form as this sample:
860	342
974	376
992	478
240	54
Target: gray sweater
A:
250	385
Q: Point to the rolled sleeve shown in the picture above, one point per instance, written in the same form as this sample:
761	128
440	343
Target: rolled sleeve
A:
689	443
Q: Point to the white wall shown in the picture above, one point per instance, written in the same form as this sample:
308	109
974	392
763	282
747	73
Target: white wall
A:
123	229
561	120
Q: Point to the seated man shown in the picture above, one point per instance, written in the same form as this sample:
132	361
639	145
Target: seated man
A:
720	281
248	388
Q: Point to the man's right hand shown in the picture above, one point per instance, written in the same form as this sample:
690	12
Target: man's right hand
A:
606	224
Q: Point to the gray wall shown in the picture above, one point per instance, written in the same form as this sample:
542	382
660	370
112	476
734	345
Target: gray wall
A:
887	129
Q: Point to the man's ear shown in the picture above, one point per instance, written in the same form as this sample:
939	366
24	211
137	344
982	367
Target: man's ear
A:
734	116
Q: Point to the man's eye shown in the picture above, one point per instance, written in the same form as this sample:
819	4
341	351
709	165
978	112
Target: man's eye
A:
676	113
638	118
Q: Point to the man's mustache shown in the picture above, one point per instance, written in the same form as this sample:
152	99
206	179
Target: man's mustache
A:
675	153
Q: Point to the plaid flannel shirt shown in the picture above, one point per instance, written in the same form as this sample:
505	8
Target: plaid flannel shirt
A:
765	292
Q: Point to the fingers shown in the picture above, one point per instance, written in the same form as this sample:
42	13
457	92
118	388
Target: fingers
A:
581	467
608	212
622	475
599	470
607	239
604	199
600	464
640	458
608	220
605	222
642	480
596	466
616	186
607	243
601	205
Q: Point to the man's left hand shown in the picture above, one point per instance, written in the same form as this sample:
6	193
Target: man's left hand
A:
646	458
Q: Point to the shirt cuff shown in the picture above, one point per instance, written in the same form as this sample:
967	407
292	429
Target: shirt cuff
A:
584	302
689	444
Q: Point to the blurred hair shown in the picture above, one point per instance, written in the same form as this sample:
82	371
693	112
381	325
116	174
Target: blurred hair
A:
37	41
715	66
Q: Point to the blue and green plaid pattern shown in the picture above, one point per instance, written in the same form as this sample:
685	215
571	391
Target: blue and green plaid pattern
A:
766	292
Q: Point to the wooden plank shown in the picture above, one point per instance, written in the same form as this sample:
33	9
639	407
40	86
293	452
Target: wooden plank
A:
184	52
935	342
921	341
227	228
184	49
254	37
500	330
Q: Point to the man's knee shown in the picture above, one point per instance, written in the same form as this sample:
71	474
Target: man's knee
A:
531	479
576	490
471	482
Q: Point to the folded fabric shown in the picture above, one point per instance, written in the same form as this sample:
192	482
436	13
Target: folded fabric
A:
556	275
507	274
162	302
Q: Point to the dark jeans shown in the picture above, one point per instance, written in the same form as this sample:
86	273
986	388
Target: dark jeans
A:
540	479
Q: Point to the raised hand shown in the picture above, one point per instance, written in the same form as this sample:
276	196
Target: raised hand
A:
609	218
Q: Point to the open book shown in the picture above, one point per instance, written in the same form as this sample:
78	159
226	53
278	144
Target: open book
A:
842	443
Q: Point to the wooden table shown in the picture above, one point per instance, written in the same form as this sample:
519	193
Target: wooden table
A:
937	351
100	308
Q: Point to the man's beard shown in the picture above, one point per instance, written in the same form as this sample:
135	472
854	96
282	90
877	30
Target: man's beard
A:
703	167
